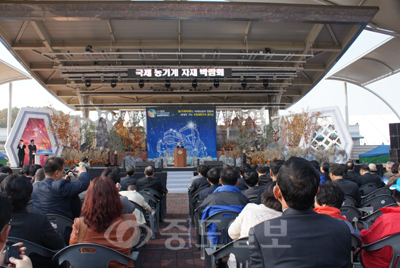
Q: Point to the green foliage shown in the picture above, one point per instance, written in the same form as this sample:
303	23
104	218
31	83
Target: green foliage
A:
3	116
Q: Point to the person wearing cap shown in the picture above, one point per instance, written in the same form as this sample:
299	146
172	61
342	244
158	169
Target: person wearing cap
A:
368	177
388	172
373	169
385	225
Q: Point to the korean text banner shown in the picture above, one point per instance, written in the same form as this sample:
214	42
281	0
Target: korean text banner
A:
195	127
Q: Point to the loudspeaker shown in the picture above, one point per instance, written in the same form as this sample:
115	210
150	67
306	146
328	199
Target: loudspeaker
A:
394	133
394	155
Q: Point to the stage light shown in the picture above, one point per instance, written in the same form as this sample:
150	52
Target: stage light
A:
194	83
103	79
243	83
268	50
167	83
88	48
265	83
216	83
113	83
88	83
141	83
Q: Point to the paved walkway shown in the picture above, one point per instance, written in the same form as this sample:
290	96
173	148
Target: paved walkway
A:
175	245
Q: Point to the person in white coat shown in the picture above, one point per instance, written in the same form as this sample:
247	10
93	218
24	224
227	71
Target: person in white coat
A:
252	214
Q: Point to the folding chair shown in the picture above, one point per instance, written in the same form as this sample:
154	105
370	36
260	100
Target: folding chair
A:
352	214
393	241
378	202
368	220
349	201
238	247
60	222
380	191
40	256
367	189
150	216
154	203
101	256
222	221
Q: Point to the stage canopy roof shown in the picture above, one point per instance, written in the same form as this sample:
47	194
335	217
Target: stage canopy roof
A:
90	54
9	73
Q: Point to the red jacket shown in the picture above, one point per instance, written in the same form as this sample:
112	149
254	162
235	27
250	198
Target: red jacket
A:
385	225
331	211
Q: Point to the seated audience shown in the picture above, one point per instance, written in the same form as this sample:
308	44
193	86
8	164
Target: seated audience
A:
373	169
241	184
150	181
253	166
5	218
273	172
225	197
385	225
4	172
324	171
329	200
388	168
136	197
213	176
199	183
25	171
32	171
29	226
55	195
300	237
251	180
39	176
195	177
368	177
129	179
315	164
395	176
262	175
348	187
113	174
253	214
351	174
102	221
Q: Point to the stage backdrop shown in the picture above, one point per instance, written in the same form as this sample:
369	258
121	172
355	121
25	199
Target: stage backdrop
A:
196	128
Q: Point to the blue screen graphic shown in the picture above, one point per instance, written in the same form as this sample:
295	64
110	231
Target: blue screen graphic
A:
195	127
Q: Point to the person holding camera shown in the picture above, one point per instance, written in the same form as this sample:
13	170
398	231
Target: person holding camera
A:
56	194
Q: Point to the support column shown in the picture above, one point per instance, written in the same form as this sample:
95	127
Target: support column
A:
346	106
9	110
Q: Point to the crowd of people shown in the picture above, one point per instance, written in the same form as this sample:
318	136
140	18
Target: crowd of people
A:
290	210
293	211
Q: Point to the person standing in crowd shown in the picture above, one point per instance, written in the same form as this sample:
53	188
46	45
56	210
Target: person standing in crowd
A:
21	153
32	150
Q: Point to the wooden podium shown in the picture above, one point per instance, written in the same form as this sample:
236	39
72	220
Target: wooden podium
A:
180	157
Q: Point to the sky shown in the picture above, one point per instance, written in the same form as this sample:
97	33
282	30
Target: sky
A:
372	115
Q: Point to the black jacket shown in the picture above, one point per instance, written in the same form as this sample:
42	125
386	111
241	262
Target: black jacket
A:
204	193
370	178
126	181
351	175
198	184
264	179
36	228
350	188
241	185
301	239
150	182
252	193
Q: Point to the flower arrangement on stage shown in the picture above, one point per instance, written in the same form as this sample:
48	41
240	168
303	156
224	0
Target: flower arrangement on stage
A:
96	157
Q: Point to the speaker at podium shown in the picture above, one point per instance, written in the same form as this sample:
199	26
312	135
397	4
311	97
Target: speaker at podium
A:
180	157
